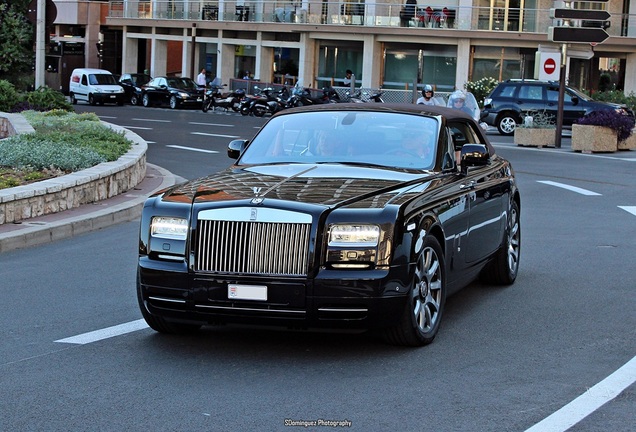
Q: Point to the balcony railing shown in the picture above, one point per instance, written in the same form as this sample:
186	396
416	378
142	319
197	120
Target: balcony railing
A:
443	16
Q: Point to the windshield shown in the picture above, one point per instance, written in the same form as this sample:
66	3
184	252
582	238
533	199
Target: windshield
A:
182	83
355	137
101	79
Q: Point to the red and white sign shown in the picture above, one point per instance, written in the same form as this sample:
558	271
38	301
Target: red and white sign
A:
549	66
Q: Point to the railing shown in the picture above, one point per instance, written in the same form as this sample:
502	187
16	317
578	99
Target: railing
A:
444	16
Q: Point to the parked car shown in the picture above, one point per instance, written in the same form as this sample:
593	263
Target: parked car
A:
353	216
95	86
132	84
508	103
173	91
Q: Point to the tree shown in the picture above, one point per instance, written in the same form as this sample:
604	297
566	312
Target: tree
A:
16	41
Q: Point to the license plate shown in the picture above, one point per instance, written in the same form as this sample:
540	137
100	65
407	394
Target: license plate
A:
247	292
199	99
112	96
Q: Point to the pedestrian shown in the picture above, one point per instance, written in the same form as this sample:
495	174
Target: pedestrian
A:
202	78
247	75
348	77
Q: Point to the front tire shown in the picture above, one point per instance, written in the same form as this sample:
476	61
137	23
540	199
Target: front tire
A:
505	265
422	315
91	100
134	100
259	110
174	104
145	100
506	124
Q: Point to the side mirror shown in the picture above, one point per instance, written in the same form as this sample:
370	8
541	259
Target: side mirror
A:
474	155
235	148
575	100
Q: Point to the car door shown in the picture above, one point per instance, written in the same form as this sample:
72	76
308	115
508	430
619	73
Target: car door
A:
572	109
531	97
485	191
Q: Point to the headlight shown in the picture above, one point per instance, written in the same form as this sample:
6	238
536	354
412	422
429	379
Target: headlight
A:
184	95
169	227
356	235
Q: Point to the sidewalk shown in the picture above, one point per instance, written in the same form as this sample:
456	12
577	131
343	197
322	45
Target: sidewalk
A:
86	218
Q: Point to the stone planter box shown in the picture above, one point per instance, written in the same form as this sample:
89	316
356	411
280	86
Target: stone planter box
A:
593	139
535	137
628	144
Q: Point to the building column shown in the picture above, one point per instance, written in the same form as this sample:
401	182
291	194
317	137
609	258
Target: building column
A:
463	63
129	53
158	57
226	58
630	73
307	60
372	63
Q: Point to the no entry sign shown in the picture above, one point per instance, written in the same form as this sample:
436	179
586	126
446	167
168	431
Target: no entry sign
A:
548	66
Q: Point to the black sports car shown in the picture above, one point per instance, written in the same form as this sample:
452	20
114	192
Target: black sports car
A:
132	86
351	216
175	92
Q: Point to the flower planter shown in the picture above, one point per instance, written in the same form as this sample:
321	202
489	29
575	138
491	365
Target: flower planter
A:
535	137
628	144
595	139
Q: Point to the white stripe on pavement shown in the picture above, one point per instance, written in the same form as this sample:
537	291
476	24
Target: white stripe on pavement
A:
570	188
589	401
192	149
630	209
136	127
106	333
153	120
210	124
214	135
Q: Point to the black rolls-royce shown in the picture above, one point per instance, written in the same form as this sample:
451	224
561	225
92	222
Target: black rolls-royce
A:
351	216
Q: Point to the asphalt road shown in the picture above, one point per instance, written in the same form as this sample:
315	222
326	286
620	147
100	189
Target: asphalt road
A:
553	352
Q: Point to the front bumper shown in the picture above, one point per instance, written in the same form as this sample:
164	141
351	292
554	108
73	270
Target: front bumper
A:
331	300
109	97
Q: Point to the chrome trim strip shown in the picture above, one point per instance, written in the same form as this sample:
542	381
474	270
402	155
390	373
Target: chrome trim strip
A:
250	309
254	214
342	310
167	300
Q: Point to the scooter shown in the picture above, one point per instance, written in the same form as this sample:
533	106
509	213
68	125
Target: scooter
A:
268	102
213	99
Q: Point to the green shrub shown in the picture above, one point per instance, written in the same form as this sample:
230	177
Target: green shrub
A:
46	98
617	96
62	141
9	97
481	88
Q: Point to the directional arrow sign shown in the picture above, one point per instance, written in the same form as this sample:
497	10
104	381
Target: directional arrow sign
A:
582	14
577	34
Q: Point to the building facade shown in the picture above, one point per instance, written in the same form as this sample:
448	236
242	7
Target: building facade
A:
388	44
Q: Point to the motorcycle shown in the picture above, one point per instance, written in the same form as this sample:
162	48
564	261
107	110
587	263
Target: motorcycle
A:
214	98
302	96
364	97
268	101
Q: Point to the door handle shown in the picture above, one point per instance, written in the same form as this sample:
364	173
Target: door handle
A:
469	185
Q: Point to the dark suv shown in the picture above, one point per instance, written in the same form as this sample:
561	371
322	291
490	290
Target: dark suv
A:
509	102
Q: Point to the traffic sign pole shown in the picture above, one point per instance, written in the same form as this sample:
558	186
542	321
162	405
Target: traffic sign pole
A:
559	120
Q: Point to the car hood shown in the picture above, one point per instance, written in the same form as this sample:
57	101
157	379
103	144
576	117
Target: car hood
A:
328	185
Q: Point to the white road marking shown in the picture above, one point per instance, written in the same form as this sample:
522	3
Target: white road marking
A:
137	127
107	117
589	401
215	135
210	124
630	209
106	333
153	120
192	149
570	188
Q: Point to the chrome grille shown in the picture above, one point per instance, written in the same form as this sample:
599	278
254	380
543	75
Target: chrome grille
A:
266	248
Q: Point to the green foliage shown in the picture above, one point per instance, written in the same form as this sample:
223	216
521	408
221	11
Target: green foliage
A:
605	82
46	98
8	96
62	141
617	96
16	42
481	88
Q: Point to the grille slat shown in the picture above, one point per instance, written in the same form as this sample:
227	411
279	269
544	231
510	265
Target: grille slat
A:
264	248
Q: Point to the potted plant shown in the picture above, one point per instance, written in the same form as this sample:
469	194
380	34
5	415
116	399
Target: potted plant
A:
601	131
537	130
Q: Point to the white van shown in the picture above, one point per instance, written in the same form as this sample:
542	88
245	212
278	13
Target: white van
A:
95	86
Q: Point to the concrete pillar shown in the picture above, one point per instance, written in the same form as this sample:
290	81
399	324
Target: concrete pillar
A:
130	52
372	62
306	60
225	63
630	73
158	57
264	63
463	63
